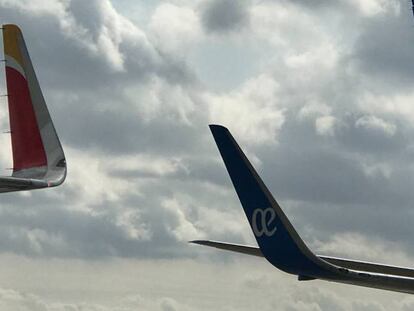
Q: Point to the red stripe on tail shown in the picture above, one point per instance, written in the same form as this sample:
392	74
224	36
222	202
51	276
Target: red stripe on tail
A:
27	145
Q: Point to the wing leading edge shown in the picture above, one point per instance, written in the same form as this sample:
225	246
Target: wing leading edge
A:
278	241
38	157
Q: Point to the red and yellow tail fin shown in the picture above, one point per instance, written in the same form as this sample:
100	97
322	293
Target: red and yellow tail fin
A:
27	145
38	157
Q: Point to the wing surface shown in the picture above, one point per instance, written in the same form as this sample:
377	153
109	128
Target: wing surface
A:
357	265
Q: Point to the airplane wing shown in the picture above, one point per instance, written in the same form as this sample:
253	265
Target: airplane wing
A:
278	241
38	158
362	266
237	248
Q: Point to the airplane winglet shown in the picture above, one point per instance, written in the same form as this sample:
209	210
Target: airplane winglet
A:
278	241
37	151
275	235
412	6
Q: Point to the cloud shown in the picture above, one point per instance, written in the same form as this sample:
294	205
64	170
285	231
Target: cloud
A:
174	28
319	98
374	123
135	285
225	16
14	300
353	245
325	125
142	164
369	8
252	111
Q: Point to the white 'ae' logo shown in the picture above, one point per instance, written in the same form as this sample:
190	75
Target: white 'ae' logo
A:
262	220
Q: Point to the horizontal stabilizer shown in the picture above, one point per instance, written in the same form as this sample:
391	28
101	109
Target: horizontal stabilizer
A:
19	184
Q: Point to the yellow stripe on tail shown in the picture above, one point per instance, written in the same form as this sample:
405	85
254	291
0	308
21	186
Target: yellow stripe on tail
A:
11	38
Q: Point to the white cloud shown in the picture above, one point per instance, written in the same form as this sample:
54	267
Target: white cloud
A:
37	6
324	57
271	21
113	32
144	175
135	285
252	112
14	300
374	7
325	125
399	105
182	228
159	99
175	28
357	246
314	109
90	179
375	123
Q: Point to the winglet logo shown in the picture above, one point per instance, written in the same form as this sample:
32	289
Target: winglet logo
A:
262	221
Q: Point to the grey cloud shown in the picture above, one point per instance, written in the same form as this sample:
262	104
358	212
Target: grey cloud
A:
370	139
88	82
352	9
221	16
119	129
50	227
91	15
321	181
325	174
312	4
41	231
125	285
307	166
329	178
15	300
384	50
66	63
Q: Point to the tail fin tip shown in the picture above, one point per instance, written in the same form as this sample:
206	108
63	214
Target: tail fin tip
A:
11	26
214	127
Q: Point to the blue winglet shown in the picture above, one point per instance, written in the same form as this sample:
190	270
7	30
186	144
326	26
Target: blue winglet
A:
413	6
275	235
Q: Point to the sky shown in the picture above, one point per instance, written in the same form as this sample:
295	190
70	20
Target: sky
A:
319	95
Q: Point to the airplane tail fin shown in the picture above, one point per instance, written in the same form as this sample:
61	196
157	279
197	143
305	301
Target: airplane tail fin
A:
37	152
275	235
